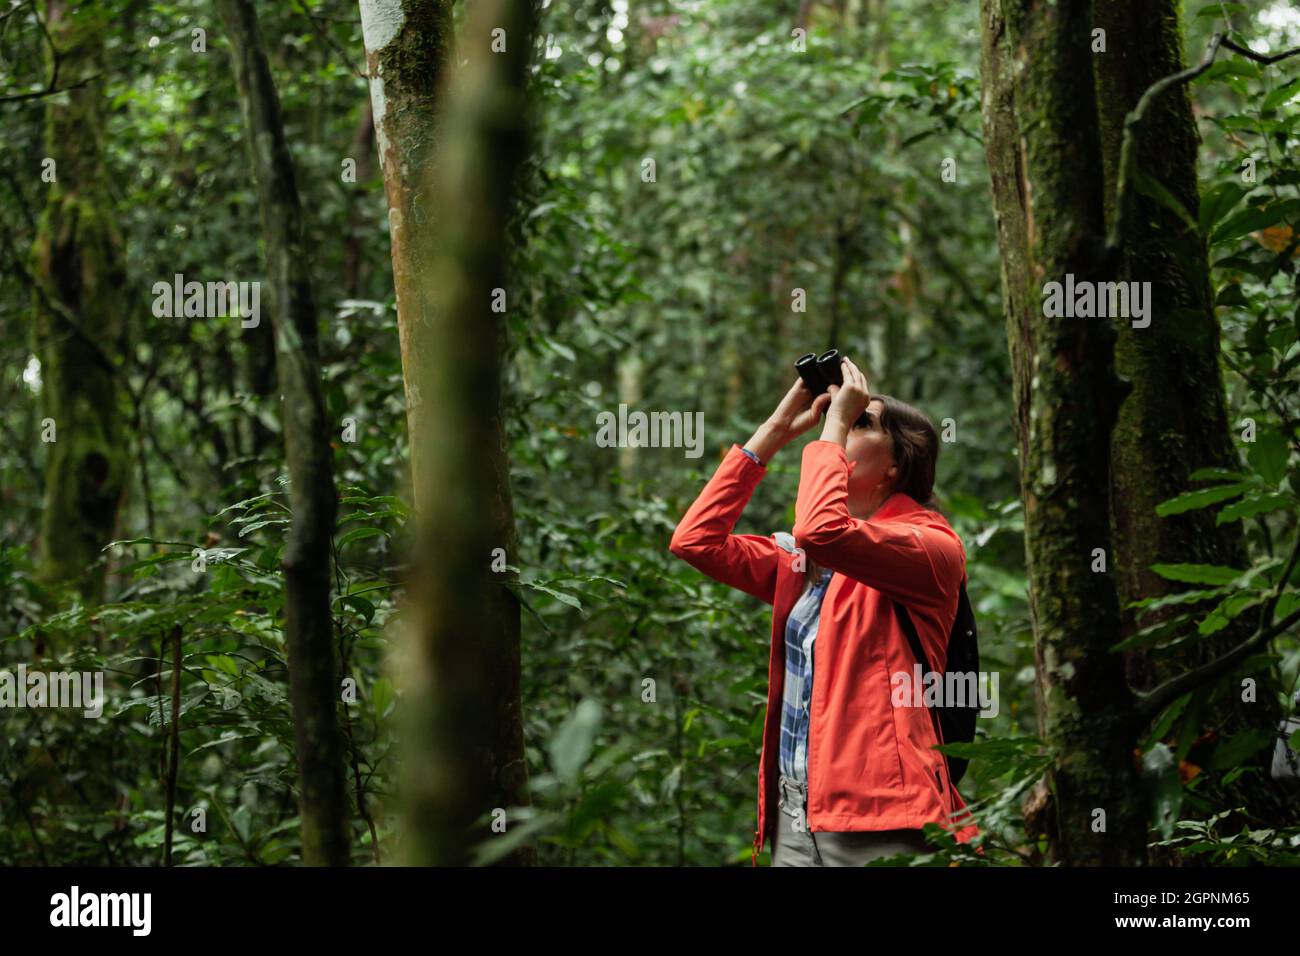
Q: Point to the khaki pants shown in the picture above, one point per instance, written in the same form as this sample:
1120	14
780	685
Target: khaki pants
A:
790	847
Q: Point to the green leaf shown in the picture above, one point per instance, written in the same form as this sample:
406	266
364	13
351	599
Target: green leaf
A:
1160	768
254	525
1182	597
1172	628
1215	10
1218	202
1231	295
499	846
668	788
375	501
1250	220
1200	498
1156	190
1229	69
223	663
916	138
1244	263
1166	721
560	596
1219	618
1280	95
357	534
245	503
573	742
382	696
561	349
1197	573
362	606
1239	748
1255	505
1280	339
1204	474
1268	455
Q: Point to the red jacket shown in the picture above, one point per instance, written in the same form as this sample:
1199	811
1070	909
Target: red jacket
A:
870	766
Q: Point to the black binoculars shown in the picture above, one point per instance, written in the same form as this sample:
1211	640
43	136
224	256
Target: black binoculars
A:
820	372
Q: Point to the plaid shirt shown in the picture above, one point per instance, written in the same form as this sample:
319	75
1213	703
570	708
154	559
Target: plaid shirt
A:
800	633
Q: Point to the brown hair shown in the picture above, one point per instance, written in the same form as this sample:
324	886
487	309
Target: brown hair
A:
916	449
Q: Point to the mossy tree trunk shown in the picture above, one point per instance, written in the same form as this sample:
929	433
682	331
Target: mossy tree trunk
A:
465	758
1042	140
1175	419
78	307
313	680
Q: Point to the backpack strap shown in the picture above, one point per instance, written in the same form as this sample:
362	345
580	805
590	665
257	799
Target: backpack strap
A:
914	641
909	628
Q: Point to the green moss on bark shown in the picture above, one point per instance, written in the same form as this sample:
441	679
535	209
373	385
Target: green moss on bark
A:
78	321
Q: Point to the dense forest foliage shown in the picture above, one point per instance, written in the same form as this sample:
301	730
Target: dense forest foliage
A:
329	545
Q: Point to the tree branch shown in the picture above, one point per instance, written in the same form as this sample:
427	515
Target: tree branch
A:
48	91
1128	153
329	39
1127	150
1152	703
1250	54
55	62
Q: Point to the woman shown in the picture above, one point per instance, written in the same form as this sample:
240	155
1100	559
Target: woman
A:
852	775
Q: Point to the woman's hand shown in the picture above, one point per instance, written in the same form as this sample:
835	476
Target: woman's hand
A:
797	412
848	402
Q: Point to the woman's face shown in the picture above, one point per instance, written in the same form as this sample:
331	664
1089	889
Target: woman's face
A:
871	451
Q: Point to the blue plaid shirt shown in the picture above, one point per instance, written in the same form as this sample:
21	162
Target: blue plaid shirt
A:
800	633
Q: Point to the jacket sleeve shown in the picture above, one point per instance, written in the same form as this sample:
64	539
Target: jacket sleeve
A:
703	538
919	565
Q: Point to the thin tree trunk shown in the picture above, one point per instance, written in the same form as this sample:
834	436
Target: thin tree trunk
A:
1041	136
804	14
407	50
259	368
464	734
79	316
313	681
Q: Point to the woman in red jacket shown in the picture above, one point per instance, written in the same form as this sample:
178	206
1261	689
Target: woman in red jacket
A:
845	775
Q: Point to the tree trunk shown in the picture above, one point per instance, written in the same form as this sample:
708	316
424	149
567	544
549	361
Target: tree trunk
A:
313	680
1041	136
79	317
1175	420
463	728
407	50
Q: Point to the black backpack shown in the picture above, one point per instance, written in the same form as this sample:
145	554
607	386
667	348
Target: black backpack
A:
954	724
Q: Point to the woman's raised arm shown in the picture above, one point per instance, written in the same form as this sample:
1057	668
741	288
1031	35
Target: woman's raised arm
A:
703	537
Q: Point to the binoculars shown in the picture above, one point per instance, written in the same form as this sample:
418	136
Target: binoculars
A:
820	372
